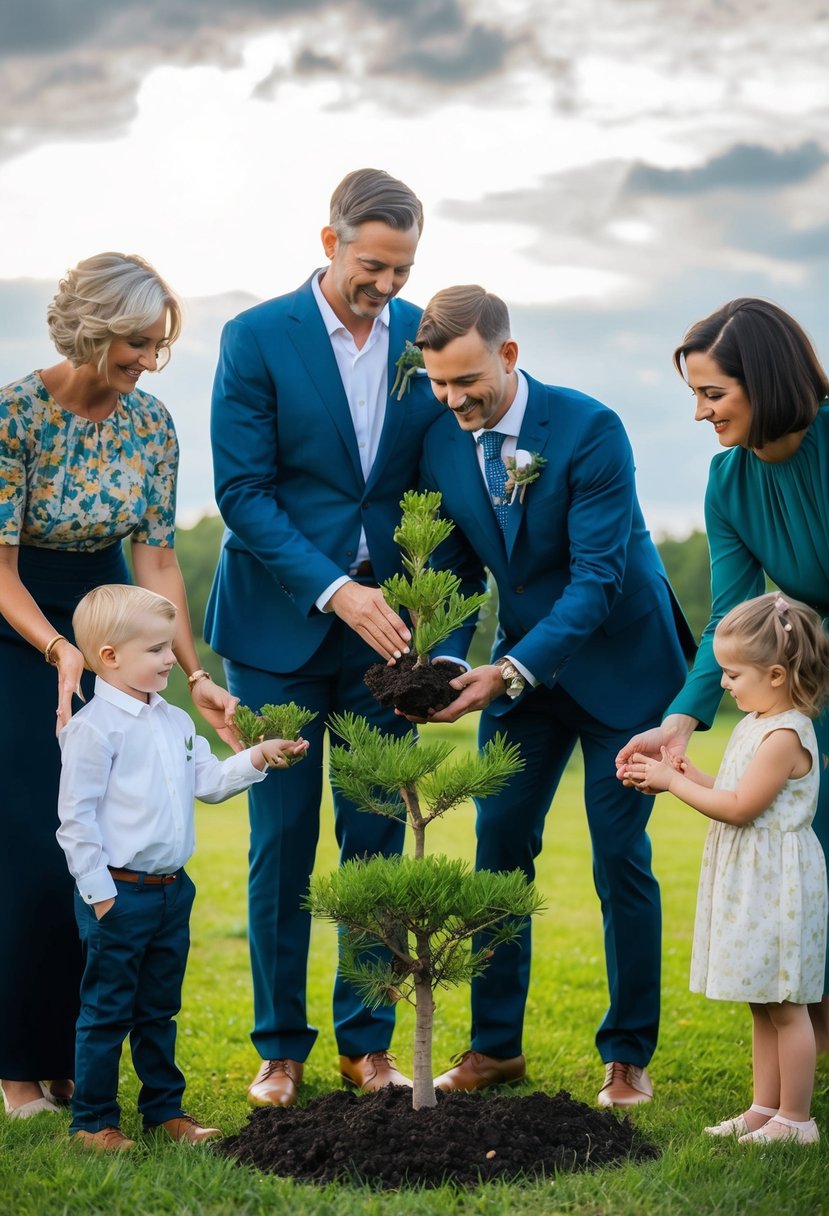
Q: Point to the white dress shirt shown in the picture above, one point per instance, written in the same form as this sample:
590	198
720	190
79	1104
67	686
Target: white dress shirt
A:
510	427
364	373
130	771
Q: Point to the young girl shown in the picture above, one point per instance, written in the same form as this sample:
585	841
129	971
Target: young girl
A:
760	931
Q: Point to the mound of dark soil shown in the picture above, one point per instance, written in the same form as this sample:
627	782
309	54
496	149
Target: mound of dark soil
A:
411	689
467	1139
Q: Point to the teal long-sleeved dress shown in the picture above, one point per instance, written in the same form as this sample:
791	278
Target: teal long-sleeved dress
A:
765	518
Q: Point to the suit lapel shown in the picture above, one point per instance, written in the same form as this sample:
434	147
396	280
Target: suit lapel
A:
534	436
311	342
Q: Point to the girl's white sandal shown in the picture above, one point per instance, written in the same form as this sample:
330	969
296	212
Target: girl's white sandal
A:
738	1126
783	1130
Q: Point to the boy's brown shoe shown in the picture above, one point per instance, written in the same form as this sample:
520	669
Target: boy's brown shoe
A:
107	1140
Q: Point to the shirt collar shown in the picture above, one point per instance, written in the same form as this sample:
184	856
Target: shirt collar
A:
510	424
332	322
123	700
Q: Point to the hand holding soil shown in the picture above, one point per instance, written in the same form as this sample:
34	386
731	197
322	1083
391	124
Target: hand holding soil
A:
475	689
433	599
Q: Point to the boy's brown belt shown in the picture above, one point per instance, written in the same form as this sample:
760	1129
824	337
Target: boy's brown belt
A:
134	876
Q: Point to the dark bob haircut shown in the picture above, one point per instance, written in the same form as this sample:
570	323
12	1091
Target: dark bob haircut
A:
761	346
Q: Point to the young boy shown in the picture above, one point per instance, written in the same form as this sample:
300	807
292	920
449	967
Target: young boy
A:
131	767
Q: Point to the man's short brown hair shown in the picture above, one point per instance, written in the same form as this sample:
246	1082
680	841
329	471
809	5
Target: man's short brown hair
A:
455	310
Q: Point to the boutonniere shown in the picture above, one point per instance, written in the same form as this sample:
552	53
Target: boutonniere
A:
188	747
522	468
408	365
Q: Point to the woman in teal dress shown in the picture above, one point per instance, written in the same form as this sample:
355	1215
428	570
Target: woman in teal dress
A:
86	460
757	380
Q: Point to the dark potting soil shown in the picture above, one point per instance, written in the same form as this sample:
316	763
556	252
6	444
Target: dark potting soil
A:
412	689
466	1139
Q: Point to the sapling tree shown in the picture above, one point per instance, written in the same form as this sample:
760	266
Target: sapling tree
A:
272	722
432	597
436	607
423	909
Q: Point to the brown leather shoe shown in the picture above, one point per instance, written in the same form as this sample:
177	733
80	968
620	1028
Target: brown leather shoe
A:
185	1127
474	1070
624	1085
107	1140
371	1072
276	1083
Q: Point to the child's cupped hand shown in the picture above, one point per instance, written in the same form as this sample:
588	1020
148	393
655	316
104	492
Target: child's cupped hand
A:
651	776
281	753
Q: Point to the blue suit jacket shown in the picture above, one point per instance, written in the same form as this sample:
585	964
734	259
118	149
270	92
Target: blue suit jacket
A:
288	479
583	596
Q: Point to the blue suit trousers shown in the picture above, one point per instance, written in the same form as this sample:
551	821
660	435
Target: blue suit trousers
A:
547	724
134	963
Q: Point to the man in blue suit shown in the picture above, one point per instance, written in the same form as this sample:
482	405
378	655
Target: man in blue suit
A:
589	642
311	459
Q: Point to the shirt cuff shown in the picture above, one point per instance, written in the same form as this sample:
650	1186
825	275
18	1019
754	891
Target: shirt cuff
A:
97	886
255	774
322	601
451	658
525	671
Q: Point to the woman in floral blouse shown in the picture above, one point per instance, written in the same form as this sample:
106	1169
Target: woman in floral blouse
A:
86	460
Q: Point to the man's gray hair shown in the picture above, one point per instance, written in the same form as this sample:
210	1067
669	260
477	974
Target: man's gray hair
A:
373	194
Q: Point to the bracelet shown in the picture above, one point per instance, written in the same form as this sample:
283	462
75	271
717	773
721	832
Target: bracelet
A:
195	676
47	653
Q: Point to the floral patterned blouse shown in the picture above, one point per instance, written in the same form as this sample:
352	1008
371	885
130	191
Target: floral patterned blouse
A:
69	483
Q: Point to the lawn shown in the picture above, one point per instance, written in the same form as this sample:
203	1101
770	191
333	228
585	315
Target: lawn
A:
701	1070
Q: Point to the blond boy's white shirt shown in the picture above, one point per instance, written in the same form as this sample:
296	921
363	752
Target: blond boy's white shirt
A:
130	773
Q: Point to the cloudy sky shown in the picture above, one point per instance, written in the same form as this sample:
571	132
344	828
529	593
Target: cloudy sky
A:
614	168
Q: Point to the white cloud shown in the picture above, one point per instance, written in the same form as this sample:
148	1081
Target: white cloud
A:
541	138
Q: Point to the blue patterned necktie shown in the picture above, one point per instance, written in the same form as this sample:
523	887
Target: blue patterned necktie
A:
496	473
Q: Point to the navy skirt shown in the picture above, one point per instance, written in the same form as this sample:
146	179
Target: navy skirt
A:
40	955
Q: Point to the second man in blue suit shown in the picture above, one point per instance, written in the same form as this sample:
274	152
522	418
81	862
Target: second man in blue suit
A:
589	641
312	456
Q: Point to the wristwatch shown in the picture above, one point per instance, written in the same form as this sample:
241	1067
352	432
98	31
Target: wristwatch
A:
512	677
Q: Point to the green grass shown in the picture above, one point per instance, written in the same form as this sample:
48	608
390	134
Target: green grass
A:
702	1068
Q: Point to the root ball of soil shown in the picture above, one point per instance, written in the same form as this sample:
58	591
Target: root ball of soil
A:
466	1139
411	689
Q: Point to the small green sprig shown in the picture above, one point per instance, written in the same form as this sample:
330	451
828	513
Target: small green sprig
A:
522	475
272	722
408	365
433	597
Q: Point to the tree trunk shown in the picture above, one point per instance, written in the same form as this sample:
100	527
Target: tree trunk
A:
416	820
423	1087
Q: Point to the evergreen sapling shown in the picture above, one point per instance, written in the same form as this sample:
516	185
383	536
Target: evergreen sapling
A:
423	910
436	609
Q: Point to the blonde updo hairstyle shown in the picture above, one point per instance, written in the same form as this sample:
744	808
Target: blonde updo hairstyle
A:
773	630
111	295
